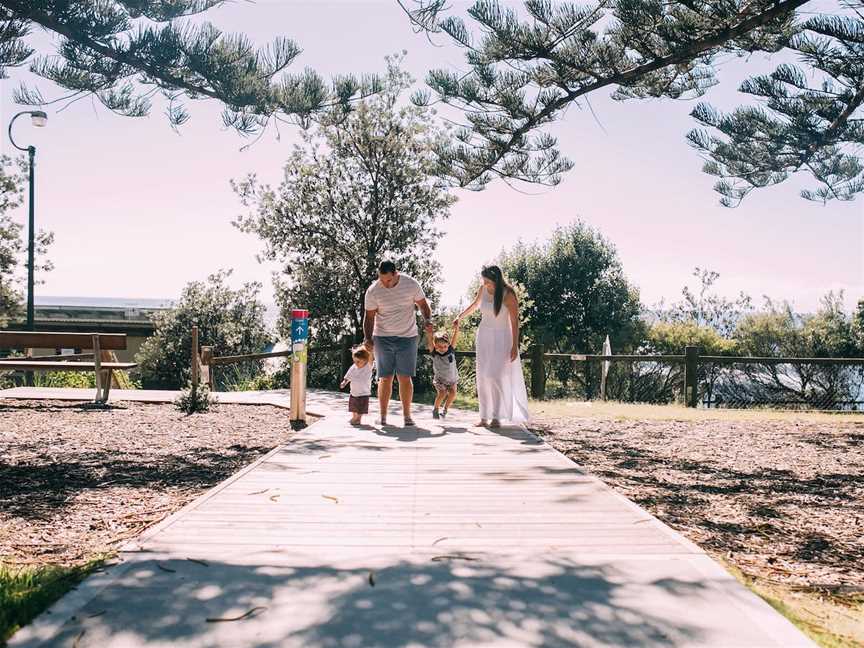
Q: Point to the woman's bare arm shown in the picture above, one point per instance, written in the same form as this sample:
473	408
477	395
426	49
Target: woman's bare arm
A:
512	306
471	307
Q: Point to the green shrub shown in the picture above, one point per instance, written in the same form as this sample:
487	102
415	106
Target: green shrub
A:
231	321
262	382
69	379
194	399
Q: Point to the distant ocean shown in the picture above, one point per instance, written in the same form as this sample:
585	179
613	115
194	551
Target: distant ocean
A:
105	302
271	313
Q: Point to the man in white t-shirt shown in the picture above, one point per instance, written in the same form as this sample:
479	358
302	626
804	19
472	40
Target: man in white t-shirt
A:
390	330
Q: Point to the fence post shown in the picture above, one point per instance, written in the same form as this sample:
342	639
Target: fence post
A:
589	379
604	368
299	358
196	375
347	361
207	361
691	383
538	372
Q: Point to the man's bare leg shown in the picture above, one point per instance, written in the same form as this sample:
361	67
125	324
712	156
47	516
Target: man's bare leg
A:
385	388
406	395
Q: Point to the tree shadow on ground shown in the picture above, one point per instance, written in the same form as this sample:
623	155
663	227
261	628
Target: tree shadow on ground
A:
435	603
38	489
51	406
733	508
407	434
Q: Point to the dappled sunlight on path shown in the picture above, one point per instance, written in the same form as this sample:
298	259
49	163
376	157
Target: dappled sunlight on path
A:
442	534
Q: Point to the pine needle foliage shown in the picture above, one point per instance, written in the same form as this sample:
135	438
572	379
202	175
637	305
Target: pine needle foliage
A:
526	65
126	52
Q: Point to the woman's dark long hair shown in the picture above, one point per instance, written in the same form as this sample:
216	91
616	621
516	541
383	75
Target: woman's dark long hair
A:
494	274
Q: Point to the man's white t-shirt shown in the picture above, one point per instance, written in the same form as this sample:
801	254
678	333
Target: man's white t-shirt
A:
396	316
360	379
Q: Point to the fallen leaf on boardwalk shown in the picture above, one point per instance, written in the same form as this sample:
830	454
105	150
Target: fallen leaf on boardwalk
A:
439	540
330	497
166	569
274	498
261	492
96	614
372	578
452	557
325	456
641	521
237	618
479	526
78	638
198	562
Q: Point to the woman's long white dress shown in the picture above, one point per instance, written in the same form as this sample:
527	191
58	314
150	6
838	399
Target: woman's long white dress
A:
500	382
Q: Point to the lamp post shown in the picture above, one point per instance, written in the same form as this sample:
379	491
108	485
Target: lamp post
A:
39	119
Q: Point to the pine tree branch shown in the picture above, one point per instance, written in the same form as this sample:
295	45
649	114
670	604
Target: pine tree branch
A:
842	119
49	23
265	102
693	50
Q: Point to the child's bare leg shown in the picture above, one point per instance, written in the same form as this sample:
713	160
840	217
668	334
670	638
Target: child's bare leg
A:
440	395
451	396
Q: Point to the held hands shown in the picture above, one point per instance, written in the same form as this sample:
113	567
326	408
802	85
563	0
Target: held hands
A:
342	386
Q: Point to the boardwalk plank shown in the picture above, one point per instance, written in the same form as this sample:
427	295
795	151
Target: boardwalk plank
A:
441	536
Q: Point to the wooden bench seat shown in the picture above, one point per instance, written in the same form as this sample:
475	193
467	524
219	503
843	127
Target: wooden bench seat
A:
100	343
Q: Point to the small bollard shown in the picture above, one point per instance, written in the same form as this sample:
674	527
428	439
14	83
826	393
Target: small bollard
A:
299	358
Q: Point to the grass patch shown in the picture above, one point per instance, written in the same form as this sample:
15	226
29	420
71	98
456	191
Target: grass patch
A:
645	411
463	401
25	592
830	622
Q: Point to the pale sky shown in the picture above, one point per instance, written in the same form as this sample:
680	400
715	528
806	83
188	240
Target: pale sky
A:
139	211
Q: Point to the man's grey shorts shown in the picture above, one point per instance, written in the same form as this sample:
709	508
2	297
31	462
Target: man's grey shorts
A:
395	355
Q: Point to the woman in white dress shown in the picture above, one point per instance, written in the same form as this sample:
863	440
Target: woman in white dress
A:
500	382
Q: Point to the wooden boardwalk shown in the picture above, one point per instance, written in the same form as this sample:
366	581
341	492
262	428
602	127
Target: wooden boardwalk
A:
442	535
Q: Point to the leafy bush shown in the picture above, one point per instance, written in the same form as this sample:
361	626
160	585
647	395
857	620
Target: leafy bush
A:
231	321
575	291
194	399
71	379
779	331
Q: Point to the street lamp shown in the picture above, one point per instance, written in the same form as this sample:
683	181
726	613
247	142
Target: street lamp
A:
39	119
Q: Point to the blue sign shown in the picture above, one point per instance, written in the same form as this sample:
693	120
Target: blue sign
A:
299	330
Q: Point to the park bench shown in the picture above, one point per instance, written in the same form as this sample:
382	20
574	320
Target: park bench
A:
98	343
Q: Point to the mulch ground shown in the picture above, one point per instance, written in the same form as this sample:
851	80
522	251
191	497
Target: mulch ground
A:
782	500
77	481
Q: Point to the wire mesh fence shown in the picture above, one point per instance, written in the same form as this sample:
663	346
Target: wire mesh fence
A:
793	384
627	379
832	384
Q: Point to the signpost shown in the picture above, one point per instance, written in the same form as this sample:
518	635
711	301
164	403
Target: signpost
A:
299	358
607	351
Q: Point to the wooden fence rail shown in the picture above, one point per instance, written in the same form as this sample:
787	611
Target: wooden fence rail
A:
538	360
